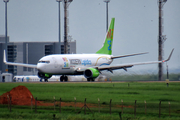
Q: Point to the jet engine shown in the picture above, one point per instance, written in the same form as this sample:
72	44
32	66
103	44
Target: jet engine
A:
91	73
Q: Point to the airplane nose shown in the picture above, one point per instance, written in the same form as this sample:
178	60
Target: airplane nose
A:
40	67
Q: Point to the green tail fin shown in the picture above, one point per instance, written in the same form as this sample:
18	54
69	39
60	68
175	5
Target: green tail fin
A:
106	49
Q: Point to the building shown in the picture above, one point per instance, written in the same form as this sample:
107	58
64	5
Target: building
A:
30	53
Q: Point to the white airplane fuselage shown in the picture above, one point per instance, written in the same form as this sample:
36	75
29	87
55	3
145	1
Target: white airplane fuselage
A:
68	63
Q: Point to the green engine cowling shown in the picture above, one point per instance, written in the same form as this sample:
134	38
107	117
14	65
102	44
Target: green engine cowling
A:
91	73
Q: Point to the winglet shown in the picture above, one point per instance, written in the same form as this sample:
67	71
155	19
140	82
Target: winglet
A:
4	59
169	56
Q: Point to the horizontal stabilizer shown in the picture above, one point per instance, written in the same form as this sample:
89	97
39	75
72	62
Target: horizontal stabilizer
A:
114	57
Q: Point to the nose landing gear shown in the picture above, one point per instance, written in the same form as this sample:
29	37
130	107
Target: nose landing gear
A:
44	76
45	80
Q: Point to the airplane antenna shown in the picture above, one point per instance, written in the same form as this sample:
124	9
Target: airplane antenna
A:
161	38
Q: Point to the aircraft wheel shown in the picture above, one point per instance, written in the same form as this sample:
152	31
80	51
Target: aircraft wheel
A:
61	78
88	79
45	80
65	78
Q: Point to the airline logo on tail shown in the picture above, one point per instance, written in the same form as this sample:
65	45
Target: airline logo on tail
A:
109	36
109	42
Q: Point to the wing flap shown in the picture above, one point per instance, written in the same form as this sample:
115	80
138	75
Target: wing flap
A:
114	67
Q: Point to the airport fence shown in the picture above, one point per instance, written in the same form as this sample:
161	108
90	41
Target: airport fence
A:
136	108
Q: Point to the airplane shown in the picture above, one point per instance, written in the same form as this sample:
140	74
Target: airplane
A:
89	65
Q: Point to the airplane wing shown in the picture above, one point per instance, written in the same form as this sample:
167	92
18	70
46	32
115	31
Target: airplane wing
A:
124	66
17	64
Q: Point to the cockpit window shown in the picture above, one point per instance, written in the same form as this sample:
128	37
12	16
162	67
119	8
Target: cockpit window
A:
44	61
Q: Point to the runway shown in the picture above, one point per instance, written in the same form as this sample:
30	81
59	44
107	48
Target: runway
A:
115	81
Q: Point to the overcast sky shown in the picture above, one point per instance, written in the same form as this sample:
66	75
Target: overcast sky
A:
136	26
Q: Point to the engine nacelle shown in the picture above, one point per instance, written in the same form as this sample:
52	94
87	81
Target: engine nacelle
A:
91	73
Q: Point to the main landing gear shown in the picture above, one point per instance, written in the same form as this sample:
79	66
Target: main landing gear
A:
90	79
45	80
63	78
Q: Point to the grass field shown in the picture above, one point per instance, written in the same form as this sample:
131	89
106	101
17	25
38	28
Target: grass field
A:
153	77
151	92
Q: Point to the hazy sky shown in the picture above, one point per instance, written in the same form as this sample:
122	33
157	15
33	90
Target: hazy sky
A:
136	26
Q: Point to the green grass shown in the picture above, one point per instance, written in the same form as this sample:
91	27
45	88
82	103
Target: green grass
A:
134	77
151	92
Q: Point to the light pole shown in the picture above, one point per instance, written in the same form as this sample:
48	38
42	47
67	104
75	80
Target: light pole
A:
66	4
161	38
6	1
106	1
59	24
